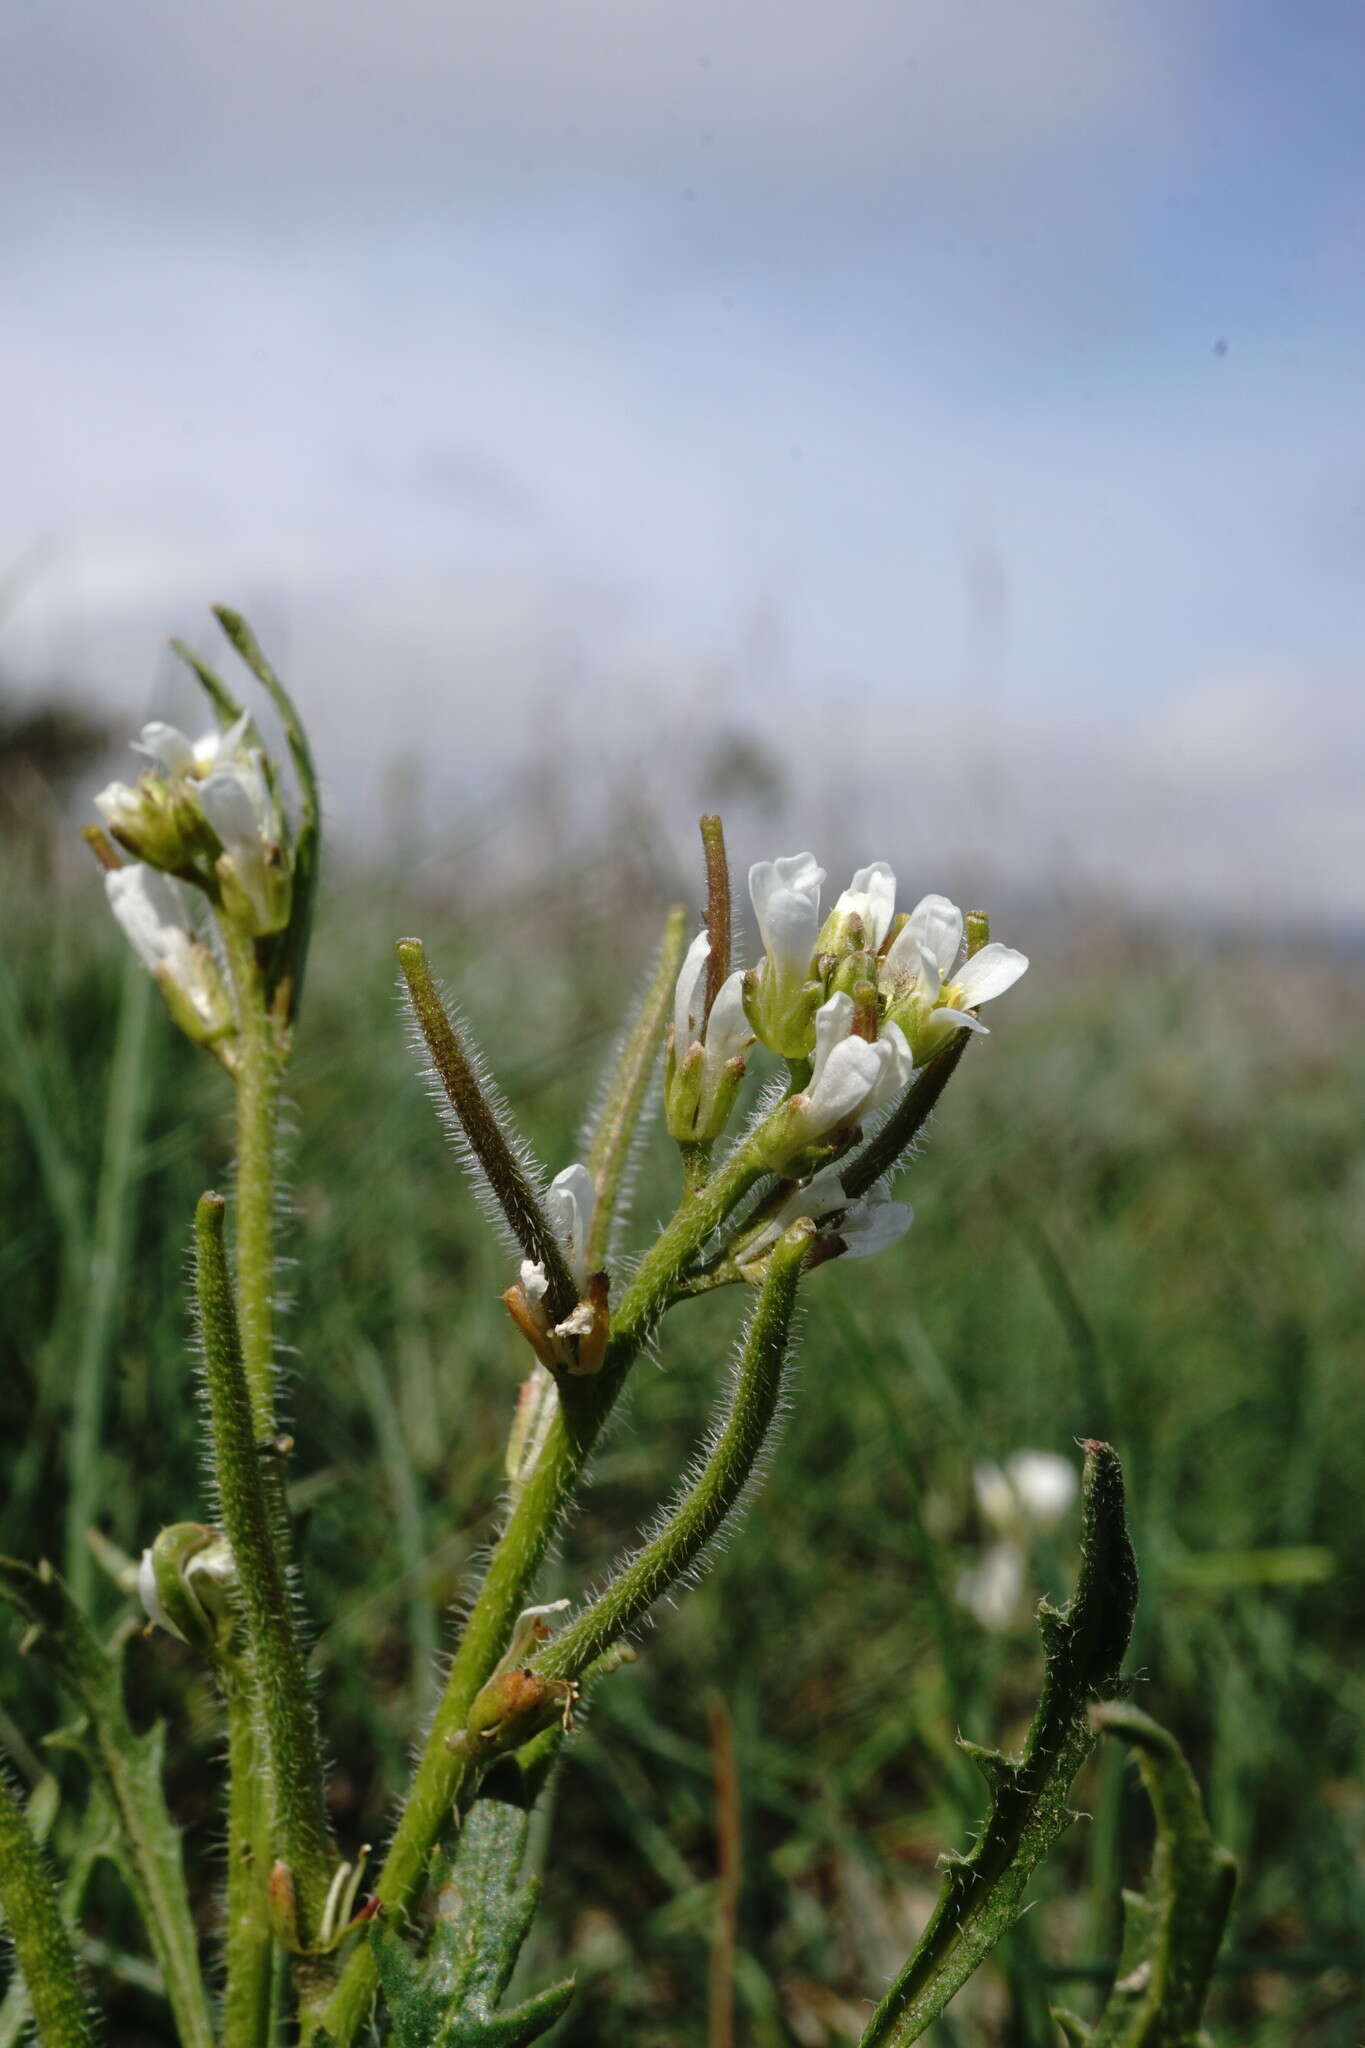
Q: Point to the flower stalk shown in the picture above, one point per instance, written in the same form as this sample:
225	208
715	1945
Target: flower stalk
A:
285	1720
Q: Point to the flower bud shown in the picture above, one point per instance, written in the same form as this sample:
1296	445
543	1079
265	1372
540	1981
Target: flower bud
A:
705	1062
859	920
185	1583
253	867
781	995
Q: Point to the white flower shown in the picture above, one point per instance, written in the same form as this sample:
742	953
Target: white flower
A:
180	757
786	898
1035	1489
703	1076
927	991
871	898
154	913
850	1076
866	1224
1032	1491
994	1589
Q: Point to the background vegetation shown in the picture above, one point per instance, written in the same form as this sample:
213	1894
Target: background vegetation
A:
1140	1215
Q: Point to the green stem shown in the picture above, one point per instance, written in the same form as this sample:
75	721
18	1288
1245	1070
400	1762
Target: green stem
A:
107	1258
727	1471
249	1958
585	1405
259	1068
38	1931
285	1718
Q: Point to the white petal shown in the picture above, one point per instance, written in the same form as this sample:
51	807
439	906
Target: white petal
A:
689	994
728	1030
872	1224
961	1020
833	1022
786	898
226	802
167	746
1046	1485
149	1595
872	893
569	1204
988	973
898	1064
849	1074
936	925
152	911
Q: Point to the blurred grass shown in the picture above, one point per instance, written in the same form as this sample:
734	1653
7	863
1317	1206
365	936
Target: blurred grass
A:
1140	1215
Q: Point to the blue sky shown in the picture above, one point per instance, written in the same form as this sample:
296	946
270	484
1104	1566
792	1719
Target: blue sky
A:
970	397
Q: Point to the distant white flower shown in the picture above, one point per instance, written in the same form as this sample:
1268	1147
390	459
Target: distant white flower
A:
867	1224
993	1590
154	913
850	1076
1033	1490
925	988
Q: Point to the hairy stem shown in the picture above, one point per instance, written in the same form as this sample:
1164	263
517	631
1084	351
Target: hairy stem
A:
258	1102
249	1948
43	1946
285	1719
719	1485
585	1405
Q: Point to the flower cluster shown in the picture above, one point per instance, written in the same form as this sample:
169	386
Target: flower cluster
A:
905	972
207	810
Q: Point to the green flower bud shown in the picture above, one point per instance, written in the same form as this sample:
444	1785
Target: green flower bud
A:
185	1583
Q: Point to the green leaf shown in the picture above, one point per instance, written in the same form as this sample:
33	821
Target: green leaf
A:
1084	1645
145	1841
448	1997
1172	1931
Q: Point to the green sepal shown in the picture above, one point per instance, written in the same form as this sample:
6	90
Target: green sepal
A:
1172	1931
1083	1644
1074	2029
448	1996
